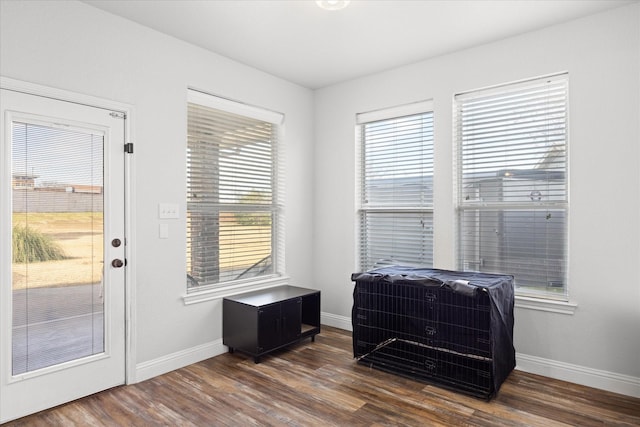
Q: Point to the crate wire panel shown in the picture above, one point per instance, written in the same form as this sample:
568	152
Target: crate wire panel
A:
417	361
426	331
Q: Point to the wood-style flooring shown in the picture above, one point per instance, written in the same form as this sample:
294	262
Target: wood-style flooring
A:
320	384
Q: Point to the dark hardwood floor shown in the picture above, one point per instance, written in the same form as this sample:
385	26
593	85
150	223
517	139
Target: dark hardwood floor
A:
320	384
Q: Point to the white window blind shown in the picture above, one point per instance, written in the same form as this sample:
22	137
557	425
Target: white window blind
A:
234	204
512	183
396	188
57	238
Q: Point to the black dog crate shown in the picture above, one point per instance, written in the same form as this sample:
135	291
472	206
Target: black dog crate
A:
451	328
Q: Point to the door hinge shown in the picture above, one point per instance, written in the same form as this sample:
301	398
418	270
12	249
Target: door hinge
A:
118	115
128	147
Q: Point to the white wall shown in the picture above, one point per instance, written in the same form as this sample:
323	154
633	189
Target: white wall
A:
73	46
600	343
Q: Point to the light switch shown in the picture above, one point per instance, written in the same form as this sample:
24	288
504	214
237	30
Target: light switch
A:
168	210
164	231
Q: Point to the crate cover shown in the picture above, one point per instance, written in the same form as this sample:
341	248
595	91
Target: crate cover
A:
461	322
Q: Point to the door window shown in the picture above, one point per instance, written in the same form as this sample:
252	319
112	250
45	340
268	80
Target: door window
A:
57	245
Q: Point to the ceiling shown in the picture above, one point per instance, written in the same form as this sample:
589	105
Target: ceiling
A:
299	42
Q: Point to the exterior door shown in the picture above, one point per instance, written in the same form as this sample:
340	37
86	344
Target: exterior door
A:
62	287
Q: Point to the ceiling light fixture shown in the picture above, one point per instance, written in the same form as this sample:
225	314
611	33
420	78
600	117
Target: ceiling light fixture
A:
332	4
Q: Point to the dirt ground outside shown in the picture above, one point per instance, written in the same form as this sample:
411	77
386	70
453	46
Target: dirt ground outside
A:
79	234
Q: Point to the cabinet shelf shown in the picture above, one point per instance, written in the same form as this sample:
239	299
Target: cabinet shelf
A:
304	328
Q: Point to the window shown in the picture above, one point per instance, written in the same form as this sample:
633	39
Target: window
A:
234	209
396	186
512	183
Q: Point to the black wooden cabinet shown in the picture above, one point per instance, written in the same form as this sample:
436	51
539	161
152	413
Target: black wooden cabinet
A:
258	322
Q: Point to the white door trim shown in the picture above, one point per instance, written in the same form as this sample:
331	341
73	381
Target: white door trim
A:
129	167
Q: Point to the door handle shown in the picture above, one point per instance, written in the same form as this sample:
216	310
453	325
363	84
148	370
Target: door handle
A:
117	263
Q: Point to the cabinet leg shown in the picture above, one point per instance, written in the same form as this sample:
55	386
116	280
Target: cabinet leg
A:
256	359
231	350
313	338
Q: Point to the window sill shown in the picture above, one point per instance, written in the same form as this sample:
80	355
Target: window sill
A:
540	304
233	289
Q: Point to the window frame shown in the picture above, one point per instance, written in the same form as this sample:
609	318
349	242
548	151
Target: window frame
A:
529	296
363	208
277	276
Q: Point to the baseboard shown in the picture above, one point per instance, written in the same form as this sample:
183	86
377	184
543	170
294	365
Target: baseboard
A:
178	360
604	380
340	322
171	362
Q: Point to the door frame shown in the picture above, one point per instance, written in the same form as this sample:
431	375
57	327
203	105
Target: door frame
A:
129	198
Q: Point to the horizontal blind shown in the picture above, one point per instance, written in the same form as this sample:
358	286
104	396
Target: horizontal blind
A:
512	182
232	201
396	191
57	238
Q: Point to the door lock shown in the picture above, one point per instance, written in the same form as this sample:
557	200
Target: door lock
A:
117	263
116	243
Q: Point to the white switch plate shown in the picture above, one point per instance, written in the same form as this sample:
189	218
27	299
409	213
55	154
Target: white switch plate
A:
168	211
164	231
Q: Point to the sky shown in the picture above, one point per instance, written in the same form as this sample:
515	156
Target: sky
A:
57	155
